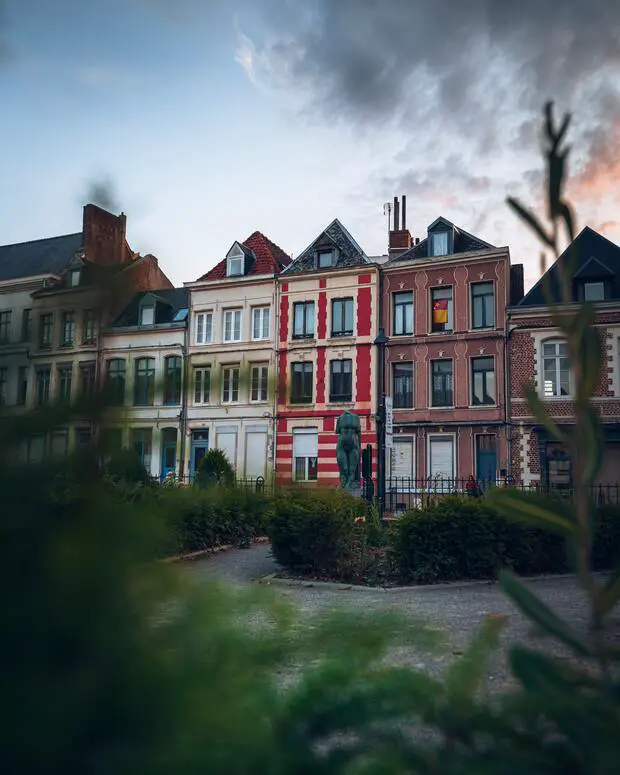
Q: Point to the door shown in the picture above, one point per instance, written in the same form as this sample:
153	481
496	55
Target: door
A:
400	489
486	458
200	445
441	461
226	440
255	454
168	452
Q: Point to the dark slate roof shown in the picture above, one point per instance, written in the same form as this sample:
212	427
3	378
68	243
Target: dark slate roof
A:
267	258
464	242
39	257
597	258
168	302
349	252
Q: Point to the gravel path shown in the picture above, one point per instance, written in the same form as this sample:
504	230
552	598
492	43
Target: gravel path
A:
457	610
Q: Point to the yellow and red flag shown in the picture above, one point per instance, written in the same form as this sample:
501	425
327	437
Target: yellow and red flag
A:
440	311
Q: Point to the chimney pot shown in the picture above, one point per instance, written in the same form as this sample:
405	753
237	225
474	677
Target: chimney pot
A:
404	212
396	214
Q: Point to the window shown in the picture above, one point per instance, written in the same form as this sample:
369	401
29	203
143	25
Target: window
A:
26	325
305	454
4	372
234	265
141	440
43	385
441	306
558	466
147	315
232	325
230	385
342	317
341	381
441	457
303	320
482	305
82	437
483	381
259	383
301	383
403	313
5	325
87	378
204	327
202	386
402	385
327	258
144	386
439	243
46	327
441	376
65	377
172	380
260	322
67	333
89	327
556	369
22	385
115	381
594	290
74	277
59	444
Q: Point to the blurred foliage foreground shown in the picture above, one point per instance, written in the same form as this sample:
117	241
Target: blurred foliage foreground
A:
115	663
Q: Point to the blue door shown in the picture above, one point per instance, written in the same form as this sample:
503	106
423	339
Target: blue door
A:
200	445
168	452
486	459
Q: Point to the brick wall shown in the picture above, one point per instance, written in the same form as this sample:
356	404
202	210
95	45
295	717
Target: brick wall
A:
522	362
104	237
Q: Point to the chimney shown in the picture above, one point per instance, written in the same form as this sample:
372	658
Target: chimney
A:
517	287
104	236
400	239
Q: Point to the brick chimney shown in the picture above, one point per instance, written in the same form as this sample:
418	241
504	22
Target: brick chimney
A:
104	236
400	236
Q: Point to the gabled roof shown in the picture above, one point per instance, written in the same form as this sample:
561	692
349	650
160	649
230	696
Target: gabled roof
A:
596	257
464	242
268	257
40	257
335	235
169	302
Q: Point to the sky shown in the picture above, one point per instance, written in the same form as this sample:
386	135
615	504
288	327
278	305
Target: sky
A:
205	120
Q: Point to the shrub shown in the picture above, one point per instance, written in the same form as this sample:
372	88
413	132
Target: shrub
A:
314	531
126	466
215	469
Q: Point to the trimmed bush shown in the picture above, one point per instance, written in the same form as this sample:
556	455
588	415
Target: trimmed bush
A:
126	466
314	531
215	469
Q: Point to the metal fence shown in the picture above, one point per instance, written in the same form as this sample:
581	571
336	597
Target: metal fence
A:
403	493
256	484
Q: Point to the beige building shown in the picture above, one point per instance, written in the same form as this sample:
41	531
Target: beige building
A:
232	358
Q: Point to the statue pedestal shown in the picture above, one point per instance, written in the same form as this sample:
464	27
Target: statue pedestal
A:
355	491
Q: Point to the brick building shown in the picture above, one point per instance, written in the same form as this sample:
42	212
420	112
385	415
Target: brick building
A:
326	358
444	302
538	356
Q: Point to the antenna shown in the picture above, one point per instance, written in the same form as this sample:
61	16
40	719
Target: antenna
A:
387	210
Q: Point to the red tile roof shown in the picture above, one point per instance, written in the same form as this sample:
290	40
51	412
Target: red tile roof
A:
270	259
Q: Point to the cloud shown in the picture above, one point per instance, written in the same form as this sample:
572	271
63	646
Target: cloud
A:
102	192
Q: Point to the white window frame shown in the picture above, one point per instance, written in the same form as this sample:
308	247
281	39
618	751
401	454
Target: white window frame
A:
232	313
203	327
262	315
228	377
205	381
557	357
235	263
261	368
143	309
436	235
74	277
307	458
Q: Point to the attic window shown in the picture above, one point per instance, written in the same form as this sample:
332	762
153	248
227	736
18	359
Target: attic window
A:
234	266
147	315
74	278
326	258
439	243
594	290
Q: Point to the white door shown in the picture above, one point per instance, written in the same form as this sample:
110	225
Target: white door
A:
227	442
255	454
441	454
402	459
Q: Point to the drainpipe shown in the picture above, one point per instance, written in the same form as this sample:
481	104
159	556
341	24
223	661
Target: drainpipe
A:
184	391
274	412
380	416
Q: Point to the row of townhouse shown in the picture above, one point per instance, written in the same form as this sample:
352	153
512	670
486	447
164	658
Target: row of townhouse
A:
260	355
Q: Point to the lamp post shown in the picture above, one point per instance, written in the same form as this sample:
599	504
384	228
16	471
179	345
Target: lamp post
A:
381	342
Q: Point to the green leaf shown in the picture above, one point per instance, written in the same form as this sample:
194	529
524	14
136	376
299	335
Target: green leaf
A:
584	318
533	509
540	613
590	360
530	219
464	676
540	673
590	441
539	410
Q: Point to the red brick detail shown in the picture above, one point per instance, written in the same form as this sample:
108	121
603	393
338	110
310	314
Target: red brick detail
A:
281	425
282	378
322	316
522	362
320	373
364	279
283	318
363	373
364	311
146	275
329	424
323	283
533	454
284	287
515	457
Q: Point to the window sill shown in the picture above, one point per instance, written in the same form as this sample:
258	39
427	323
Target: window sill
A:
543	397
292	402
232	341
66	344
440	333
346	335
347	401
442	407
483	406
308	339
402	408
261	339
402	336
259	402
483	328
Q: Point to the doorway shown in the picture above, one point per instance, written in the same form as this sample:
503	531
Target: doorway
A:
200	445
486	458
168	452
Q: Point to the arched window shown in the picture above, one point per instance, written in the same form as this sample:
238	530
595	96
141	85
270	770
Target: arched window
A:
556	369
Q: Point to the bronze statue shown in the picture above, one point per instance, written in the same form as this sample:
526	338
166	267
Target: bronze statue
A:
348	429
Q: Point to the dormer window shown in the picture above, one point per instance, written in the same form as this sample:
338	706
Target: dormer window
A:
147	315
235	262
326	258
74	278
594	290
439	243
